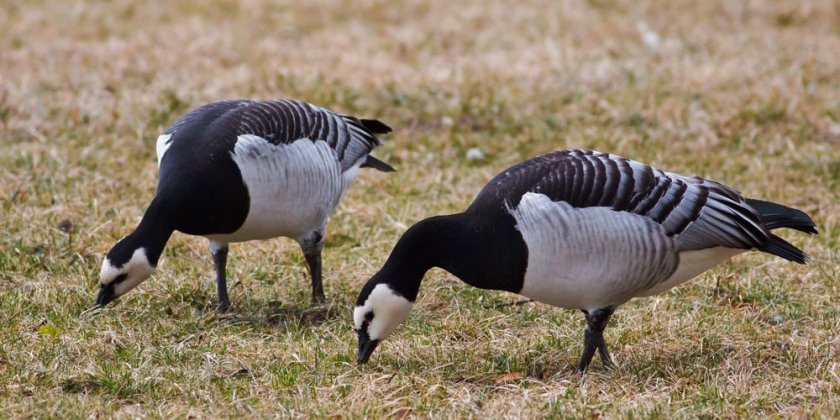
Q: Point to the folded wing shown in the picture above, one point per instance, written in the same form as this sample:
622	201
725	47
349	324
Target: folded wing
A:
700	213
282	122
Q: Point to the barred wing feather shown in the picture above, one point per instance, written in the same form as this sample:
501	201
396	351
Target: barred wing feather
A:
698	212
284	122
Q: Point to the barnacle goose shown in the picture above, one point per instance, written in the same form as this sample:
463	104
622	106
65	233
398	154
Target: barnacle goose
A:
241	170
577	229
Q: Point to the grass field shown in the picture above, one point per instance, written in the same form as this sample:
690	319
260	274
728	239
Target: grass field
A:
747	93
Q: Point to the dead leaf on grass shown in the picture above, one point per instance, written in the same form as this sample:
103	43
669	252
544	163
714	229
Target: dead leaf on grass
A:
399	413
507	377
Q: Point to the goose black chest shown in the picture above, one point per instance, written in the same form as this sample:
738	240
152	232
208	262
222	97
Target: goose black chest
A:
242	170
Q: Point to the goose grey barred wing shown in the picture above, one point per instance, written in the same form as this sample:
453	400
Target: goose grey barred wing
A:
698	212
205	114
286	121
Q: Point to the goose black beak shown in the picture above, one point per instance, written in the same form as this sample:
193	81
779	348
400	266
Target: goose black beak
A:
366	348
106	295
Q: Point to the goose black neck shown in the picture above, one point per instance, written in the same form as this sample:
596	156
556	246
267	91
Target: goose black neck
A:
483	251
152	233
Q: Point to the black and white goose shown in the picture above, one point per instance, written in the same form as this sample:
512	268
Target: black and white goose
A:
241	170
577	229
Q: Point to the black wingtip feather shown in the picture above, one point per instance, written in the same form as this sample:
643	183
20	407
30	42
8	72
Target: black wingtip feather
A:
372	162
782	248
777	216
376	126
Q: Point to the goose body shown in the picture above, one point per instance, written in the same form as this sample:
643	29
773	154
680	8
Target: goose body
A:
579	229
242	170
601	229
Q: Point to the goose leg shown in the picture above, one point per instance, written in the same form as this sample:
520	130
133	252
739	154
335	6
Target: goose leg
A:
593	340
312	246
220	254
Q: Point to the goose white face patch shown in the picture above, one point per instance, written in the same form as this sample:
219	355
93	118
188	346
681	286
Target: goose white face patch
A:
135	270
389	311
162	146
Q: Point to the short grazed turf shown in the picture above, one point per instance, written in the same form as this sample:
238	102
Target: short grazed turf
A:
747	93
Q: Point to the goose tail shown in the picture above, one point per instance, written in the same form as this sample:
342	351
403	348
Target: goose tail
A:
777	216
375	126
372	162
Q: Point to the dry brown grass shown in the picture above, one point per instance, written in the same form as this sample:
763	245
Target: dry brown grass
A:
747	93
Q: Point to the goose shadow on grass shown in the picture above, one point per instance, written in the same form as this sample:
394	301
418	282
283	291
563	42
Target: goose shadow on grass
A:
665	363
264	313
